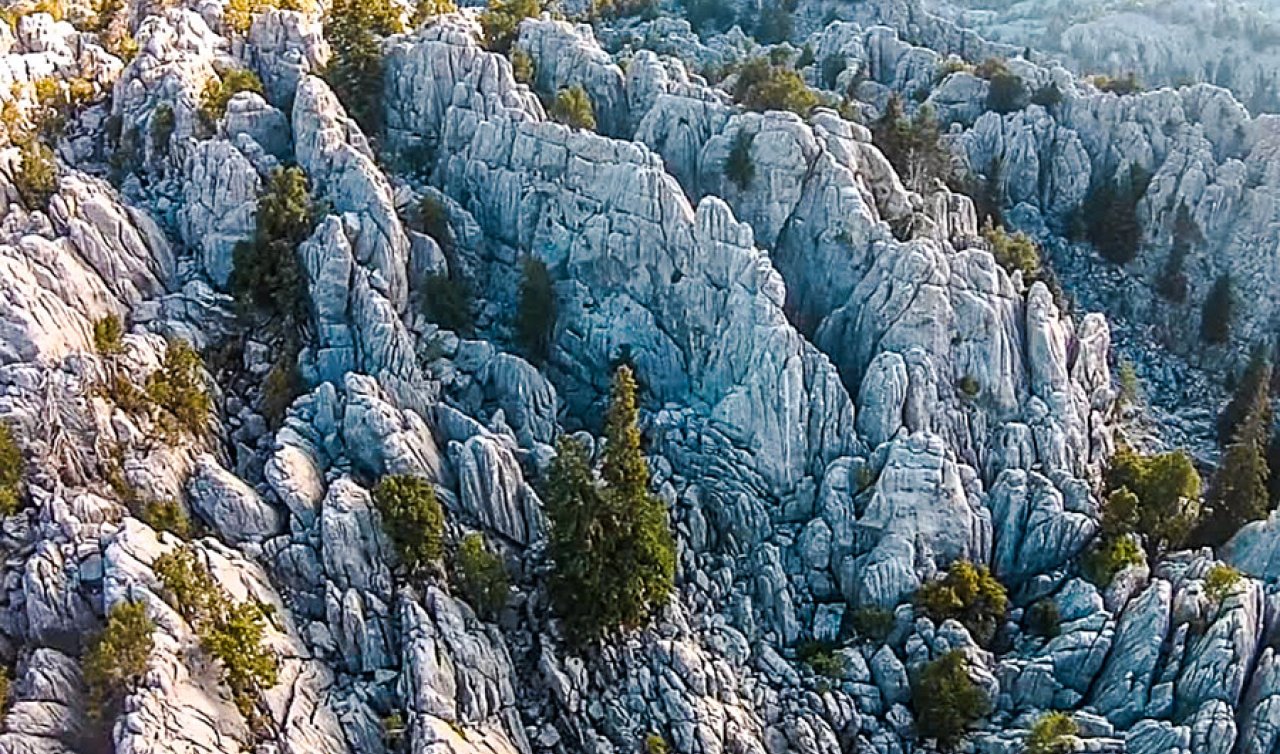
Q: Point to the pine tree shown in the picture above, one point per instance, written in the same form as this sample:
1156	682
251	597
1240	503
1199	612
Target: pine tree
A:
1219	308
612	546
353	29
537	320
1239	493
1250	393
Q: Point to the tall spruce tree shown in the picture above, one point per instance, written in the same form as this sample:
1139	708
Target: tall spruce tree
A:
1239	493
611	544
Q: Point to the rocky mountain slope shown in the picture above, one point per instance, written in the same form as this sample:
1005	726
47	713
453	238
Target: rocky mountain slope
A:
844	394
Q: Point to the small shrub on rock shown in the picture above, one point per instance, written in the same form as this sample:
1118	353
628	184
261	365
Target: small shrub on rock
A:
573	108
178	389
656	744
913	146
447	302
108	336
1109	557
1221	582
163	124
117	659
36	178
522	67
1163	506
1043	619
822	659
1047	96
482	575
425	10
1016	252
12	471
969	594
412	518
1052	733
946	701
1126	84
433	219
166	515
233	633
218	92
873	623
738	167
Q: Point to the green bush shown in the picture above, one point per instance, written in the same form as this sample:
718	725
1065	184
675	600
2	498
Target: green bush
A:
1163	507
1127	84
946	701
218	92
412	519
522	67
1047	96
573	108
108	335
482	576
117	659
4	690
873	623
281	388
1043	619
354	71
447	302
178	389
267	276
739	167
822	659
968	386
1014	252
1130	385
166	515
1109	216
832	66
1109	557
1052	734
1218	311
537	311
1221	582
232	633
1006	93
1173	282
500	22
611	545
763	85
12	472
655	744
969	594
162	125
36	178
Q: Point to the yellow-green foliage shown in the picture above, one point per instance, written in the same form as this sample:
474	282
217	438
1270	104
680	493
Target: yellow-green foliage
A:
238	15
1166	488
1052	733
522	67
425	10
117	659
763	85
108	335
655	744
1014	252
412	518
1221	582
946	700
218	92
501	22
178	389
969	594
482	575
573	108
12	470
166	515
37	175
1110	556
233	633
611	545
4	690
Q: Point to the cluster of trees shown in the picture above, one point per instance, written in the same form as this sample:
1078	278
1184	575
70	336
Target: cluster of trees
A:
1244	488
913	146
610	542
1016	252
233	633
